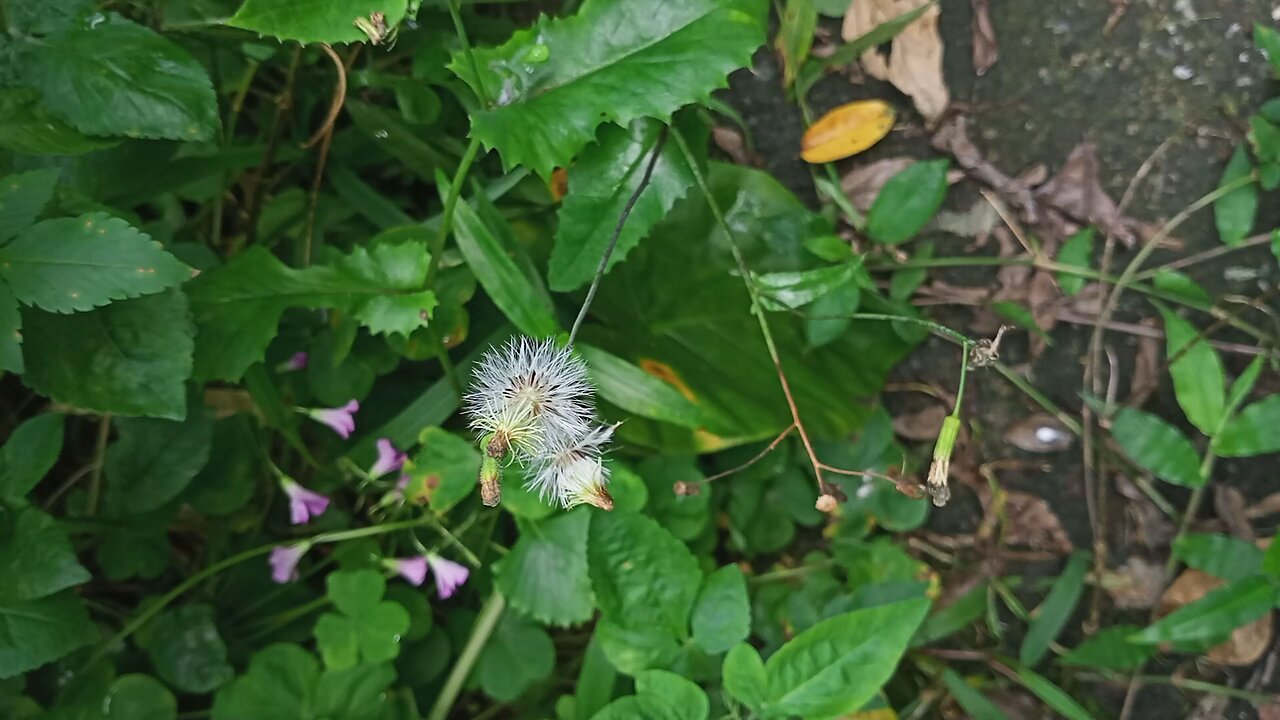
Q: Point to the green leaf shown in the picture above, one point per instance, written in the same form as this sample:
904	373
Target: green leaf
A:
401	268
1181	286
1216	614
1235	211
826	322
643	577
518	655
186	650
1198	378
73	264
1271	560
686	516
792	290
34	632
744	676
1157	447
30	452
1219	555
113	77
138	696
1252	431
35	17
10	332
601	183
358	693
1268	41
836	666
1075	253
36	557
722	616
131	357
279	685
138	549
660	695
634	650
850	51
555	83
638	392
29	129
945	621
314	21
397	141
22	197
525	305
448	466
154	460
974	703
545	574
367	628
1051	617
1109	648
907	202
795	37
1053	696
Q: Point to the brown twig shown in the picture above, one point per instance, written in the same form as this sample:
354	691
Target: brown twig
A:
758	457
339	97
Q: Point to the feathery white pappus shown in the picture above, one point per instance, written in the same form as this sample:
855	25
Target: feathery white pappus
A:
573	474
530	395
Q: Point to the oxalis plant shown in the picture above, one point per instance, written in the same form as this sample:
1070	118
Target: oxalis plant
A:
387	360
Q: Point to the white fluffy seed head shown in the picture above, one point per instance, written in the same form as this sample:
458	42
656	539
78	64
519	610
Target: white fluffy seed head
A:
573	474
533	395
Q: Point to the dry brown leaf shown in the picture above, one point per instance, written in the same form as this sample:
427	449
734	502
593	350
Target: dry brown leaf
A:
1076	191
1229	505
952	137
921	425
1042	297
1146	369
1030	523
1134	585
1246	645
863	183
734	144
1039	433
977	222
914	63
1270	711
985	48
1146	525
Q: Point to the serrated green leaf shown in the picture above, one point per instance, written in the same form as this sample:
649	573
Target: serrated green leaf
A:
447	466
517	655
744	676
10	332
74	264
1052	615
110	76
1110	649
1252	431
971	701
1053	696
22	197
1219	555
600	184
642	576
555	83
35	17
907	202
153	460
524	304
638	392
722	615
1198	378
28	129
1216	614
36	558
29	453
1157	447
1075	253
131	357
186	650
401	271
545	574
315	21
35	632
1235	211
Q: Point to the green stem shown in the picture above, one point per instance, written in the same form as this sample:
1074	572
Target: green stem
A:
483	628
789	573
99	459
280	619
458	27
450	204
155	608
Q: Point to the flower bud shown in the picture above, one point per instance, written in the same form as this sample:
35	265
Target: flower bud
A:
941	466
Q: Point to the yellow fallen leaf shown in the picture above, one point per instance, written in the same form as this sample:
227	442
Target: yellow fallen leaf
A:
847	130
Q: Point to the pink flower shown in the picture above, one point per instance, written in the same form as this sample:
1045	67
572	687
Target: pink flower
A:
297	361
413	569
284	561
449	575
340	418
389	459
303	504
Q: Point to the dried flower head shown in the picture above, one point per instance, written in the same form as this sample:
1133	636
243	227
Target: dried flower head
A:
936	482
527	396
573	474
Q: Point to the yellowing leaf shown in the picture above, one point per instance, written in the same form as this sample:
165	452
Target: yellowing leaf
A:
559	185
667	374
847	130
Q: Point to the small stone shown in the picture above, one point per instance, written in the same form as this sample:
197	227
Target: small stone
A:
1182	72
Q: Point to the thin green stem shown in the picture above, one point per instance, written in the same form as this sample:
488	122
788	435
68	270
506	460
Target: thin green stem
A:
483	628
99	458
450	205
790	573
456	13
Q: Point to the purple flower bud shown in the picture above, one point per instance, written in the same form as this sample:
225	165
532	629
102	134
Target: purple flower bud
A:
297	361
303	503
340	419
389	459
284	561
412	569
449	575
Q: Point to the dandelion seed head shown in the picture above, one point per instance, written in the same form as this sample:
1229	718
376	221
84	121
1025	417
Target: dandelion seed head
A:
573	474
